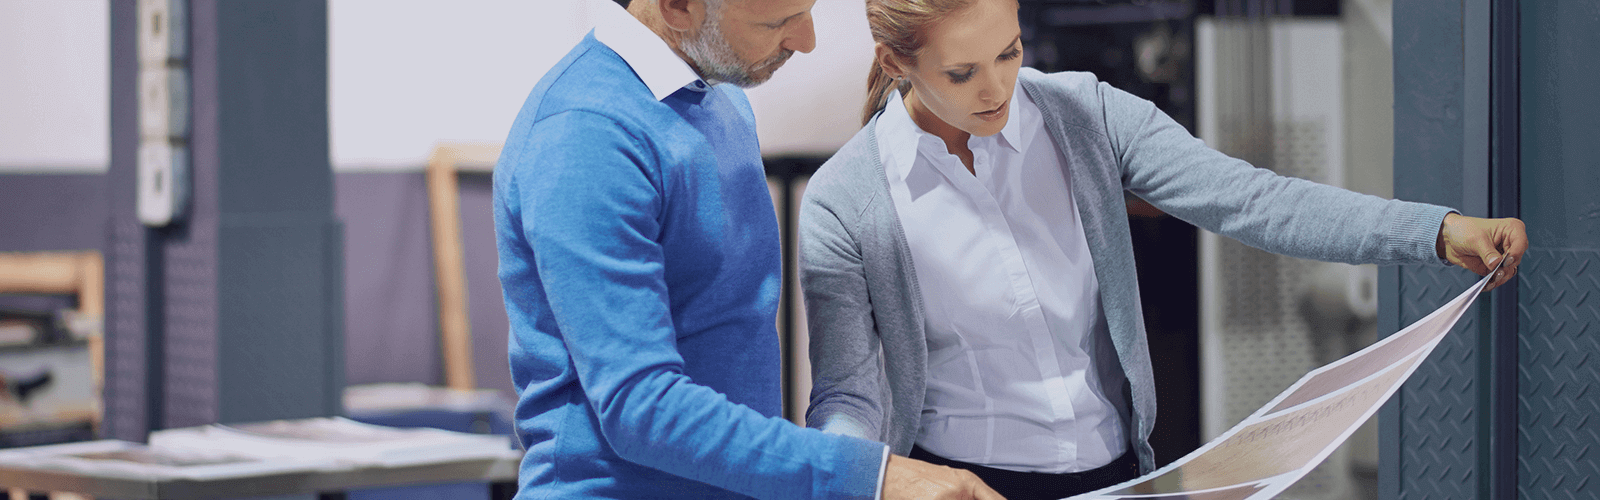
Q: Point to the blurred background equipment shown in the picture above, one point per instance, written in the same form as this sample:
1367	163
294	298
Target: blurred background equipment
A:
51	304
1272	80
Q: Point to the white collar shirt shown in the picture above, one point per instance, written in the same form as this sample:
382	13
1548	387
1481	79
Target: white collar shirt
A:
650	57
1011	305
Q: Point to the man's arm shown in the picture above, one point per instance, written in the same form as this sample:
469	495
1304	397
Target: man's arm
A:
590	212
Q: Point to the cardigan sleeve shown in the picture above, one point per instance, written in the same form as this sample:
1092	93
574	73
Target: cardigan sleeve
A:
1161	163
848	386
591	215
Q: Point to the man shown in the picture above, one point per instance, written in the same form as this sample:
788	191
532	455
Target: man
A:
640	265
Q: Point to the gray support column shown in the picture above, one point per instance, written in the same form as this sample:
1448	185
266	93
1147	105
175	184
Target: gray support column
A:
1435	443
255	314
1558	385
1505	201
235	311
1452	430
132	380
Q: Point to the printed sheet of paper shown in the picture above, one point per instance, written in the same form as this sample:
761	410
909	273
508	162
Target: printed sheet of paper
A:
1277	445
284	446
127	460
337	441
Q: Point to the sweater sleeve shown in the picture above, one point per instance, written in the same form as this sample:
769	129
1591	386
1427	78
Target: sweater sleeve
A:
591	205
1164	165
847	381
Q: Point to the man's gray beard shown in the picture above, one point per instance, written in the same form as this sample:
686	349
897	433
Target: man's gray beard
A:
716	59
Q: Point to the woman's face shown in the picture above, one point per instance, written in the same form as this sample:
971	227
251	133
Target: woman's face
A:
967	70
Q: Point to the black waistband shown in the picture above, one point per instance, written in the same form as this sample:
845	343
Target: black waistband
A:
1015	485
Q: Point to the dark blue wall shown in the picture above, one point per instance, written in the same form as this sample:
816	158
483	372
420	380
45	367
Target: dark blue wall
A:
44	212
391	326
391	320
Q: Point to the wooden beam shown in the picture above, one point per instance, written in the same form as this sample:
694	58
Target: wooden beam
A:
444	201
40	272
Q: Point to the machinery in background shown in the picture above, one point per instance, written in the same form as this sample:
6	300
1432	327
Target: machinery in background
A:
1146	48
1277	89
1264	81
50	346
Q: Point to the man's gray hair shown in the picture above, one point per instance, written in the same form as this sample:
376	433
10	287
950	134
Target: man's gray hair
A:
710	4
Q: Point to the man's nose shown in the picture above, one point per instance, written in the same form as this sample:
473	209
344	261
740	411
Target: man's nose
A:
802	37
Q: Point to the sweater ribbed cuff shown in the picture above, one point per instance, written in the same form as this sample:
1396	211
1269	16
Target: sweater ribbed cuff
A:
1416	233
858	466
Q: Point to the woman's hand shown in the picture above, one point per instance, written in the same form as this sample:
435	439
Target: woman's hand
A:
1479	244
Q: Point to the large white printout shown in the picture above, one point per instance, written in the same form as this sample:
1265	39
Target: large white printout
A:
1277	445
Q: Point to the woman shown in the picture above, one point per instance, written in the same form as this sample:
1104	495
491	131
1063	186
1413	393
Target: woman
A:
967	267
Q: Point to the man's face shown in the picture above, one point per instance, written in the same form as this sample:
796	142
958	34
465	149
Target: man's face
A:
745	41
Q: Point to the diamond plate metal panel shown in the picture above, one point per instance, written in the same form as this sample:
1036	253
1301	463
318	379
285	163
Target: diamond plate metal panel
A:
1438	429
1559	368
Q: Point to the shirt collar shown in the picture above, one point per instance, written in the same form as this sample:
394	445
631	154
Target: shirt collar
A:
900	140
656	64
1012	133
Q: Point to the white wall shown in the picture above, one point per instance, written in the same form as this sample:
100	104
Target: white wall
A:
813	104
403	75
407	74
54	86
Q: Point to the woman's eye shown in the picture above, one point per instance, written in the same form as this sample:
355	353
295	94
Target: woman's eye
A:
961	77
1010	55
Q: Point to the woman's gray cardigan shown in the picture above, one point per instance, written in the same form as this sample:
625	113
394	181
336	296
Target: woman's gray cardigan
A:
864	310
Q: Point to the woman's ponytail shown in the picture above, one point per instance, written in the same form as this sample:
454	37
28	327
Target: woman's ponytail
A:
878	86
898	25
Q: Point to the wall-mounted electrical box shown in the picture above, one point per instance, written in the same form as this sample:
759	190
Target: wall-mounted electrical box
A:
163	112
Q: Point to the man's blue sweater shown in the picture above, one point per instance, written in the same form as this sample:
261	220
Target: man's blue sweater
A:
640	264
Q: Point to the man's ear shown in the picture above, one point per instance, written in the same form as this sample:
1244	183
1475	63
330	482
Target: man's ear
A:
682	15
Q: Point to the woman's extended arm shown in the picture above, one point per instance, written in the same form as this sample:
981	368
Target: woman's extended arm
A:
1165	165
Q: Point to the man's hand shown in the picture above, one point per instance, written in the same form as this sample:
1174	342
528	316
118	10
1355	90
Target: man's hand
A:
1479	244
908	479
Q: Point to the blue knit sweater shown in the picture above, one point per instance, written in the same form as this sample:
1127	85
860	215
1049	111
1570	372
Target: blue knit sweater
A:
641	269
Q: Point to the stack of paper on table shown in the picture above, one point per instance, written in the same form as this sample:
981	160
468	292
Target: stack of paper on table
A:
337	442
134	461
400	397
286	446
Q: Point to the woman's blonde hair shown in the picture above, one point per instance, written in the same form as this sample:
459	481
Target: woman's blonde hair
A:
900	26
